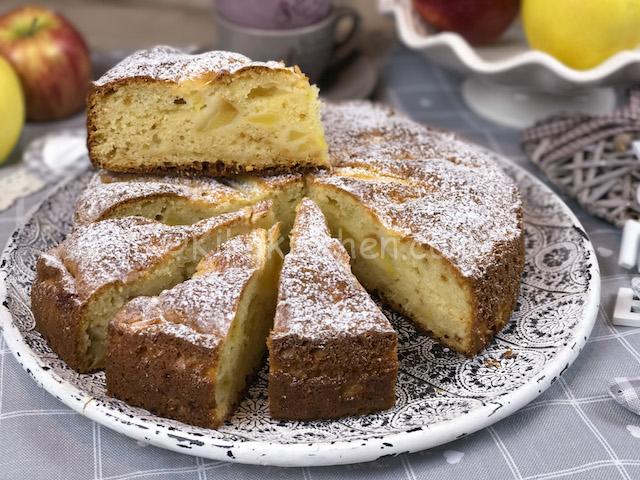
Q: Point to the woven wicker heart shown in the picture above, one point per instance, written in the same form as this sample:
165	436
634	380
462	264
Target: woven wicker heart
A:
592	159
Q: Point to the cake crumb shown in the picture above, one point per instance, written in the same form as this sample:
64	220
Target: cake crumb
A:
492	362
508	353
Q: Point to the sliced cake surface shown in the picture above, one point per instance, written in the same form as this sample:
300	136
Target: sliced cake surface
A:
216	113
331	351
81	283
188	353
168	199
432	223
181	201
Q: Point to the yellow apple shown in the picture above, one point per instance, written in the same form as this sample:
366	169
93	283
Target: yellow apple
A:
582	33
11	109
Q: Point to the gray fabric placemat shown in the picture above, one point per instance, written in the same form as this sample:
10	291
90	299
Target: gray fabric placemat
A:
575	430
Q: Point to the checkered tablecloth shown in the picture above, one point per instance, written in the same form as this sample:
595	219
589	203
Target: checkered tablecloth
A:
575	430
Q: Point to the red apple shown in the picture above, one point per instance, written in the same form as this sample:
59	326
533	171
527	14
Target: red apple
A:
51	59
478	21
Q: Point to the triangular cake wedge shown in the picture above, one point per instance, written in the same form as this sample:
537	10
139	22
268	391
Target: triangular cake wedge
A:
182	201
216	113
81	283
188	353
332	352
432	223
167	199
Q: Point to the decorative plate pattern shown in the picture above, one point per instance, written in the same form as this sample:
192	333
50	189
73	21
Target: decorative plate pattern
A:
440	396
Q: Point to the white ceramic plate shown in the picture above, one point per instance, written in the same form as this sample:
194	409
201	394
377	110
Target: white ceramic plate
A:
510	60
441	396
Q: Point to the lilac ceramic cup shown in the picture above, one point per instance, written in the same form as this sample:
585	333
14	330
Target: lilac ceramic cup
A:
312	48
274	14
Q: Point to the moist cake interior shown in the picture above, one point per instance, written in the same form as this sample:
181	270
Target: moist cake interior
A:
245	346
260	117
194	347
420	284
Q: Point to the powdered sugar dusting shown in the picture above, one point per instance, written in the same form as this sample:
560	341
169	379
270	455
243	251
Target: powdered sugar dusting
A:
124	249
170	64
419	182
107	191
424	184
318	295
203	308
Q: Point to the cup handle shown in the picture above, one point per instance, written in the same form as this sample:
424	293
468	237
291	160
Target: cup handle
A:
340	46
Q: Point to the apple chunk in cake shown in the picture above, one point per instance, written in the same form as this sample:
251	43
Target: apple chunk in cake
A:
218	113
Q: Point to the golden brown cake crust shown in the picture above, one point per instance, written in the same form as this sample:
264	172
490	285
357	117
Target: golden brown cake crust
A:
57	310
175	339
100	256
208	169
331	351
326	398
175	383
168	64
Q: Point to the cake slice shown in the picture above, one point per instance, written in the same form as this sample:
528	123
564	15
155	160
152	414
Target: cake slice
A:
181	201
284	191
188	353
433	224
216	113
168	199
332	352
81	283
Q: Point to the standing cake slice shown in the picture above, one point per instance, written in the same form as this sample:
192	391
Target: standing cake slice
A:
217	113
331	351
187	353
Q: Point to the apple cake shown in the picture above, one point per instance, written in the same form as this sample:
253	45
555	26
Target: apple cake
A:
189	352
216	113
81	283
332	352
432	223
411	203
